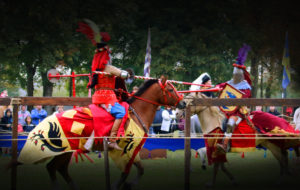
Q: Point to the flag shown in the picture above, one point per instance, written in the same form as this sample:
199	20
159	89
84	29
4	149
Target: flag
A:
148	56
286	78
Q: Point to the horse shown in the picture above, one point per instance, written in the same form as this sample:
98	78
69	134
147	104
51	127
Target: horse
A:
211	118
142	106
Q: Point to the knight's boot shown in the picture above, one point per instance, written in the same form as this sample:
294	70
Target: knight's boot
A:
113	135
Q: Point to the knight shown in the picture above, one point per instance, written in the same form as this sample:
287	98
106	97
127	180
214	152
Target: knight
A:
242	82
104	85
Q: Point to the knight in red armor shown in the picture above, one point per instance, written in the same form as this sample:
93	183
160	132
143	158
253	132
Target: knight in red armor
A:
104	85
242	82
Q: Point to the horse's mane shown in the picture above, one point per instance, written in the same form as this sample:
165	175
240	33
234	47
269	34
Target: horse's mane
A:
142	89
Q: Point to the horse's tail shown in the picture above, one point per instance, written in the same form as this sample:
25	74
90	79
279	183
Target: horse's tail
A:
11	164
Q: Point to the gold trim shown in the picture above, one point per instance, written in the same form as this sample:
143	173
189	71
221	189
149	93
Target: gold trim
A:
249	149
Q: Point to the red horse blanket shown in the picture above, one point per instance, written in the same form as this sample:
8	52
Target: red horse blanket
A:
273	126
213	154
243	138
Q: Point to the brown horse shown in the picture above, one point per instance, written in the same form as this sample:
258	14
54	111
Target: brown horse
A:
143	107
211	118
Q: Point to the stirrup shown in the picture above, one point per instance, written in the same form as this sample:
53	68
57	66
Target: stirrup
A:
114	145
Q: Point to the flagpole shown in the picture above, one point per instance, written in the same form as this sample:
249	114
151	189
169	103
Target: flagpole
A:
148	55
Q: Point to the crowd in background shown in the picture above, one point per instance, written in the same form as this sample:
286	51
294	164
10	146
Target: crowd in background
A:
27	120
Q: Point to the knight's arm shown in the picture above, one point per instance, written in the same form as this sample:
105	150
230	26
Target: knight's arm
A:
116	71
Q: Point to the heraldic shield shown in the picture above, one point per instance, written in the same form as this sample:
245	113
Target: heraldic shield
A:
230	92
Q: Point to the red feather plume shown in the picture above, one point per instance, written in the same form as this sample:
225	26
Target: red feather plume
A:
87	30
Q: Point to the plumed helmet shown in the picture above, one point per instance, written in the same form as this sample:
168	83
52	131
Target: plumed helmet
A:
92	32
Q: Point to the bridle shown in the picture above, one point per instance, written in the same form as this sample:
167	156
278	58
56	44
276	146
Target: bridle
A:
166	94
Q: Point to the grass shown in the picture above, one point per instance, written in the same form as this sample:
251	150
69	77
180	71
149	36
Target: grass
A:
252	172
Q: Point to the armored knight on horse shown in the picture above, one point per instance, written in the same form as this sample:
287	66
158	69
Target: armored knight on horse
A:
238	87
104	85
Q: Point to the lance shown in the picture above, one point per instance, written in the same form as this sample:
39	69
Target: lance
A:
54	76
202	90
150	78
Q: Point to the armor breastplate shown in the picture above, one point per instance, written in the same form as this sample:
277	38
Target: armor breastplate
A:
105	90
105	82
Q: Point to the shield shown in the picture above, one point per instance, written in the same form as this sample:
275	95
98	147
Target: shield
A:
230	92
51	73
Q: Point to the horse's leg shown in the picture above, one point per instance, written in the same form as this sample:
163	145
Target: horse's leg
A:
215	172
51	168
230	176
285	161
124	176
276	151
57	164
120	182
63	170
202	154
140	172
296	149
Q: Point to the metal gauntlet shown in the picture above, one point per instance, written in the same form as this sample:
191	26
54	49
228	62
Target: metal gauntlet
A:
124	74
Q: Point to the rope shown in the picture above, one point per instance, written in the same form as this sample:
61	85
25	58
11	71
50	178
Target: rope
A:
164	136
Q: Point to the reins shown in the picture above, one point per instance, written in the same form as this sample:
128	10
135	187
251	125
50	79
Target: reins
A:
163	87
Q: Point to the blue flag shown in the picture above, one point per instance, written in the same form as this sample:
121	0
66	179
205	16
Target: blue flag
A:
148	56
286	78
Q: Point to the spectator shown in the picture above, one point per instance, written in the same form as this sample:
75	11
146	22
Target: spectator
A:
4	94
3	108
168	120
156	125
6	121
258	108
289	111
181	122
59	109
22	114
38	114
28	126
296	119
273	111
6	124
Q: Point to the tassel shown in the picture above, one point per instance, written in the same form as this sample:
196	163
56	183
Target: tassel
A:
149	155
265	154
196	155
99	155
243	155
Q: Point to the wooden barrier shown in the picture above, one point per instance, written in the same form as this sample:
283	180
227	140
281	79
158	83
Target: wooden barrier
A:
16	101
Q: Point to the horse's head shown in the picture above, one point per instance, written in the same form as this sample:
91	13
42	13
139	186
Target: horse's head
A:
159	92
180	112
168	95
